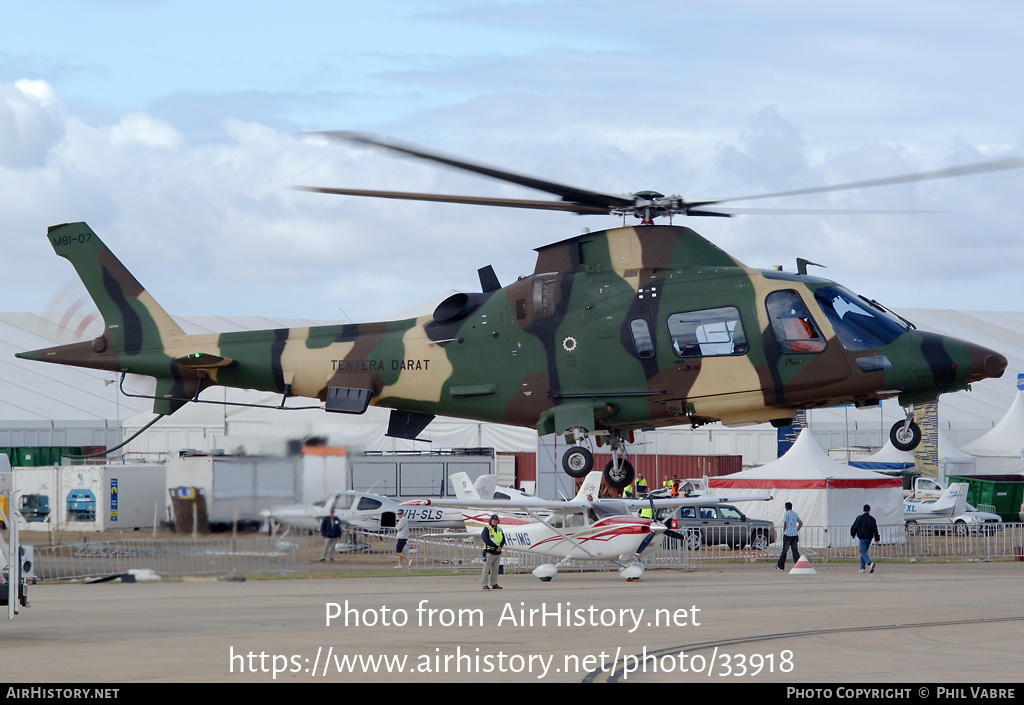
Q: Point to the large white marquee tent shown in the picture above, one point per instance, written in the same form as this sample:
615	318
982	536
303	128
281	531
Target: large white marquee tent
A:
823	492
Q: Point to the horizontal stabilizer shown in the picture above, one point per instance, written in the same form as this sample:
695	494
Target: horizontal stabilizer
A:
407	424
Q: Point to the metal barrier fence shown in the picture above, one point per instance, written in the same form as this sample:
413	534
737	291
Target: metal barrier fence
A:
172	558
899	542
252	555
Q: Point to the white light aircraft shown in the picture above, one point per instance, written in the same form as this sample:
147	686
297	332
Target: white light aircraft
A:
584	528
952	502
358	510
372	512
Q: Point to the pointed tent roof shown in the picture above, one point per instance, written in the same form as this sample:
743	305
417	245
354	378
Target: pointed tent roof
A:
1006	438
805	466
948	452
887	457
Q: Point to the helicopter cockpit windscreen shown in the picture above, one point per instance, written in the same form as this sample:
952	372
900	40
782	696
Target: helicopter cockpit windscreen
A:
859	324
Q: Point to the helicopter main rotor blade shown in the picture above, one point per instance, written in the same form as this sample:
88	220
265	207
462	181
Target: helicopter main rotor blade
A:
980	168
579	208
567	193
730	211
642	204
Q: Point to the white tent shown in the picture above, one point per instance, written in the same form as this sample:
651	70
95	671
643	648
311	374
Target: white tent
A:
823	492
887	458
1001	450
952	460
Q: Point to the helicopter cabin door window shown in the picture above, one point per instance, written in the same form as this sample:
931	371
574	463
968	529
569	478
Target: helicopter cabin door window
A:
710	332
642	338
794	328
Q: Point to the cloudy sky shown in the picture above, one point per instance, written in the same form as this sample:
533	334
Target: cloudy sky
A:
175	127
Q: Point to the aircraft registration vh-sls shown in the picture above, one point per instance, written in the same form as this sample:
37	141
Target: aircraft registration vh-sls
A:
585	528
616	330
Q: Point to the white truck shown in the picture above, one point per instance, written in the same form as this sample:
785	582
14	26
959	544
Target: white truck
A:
924	487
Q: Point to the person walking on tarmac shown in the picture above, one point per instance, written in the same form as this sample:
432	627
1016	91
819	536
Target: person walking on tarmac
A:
494	539
790	536
864	529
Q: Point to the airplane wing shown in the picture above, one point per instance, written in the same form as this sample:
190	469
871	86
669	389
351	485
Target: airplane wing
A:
691	501
547	505
497	505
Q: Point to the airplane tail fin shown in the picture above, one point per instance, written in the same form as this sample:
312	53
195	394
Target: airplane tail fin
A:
485	486
138	333
953	501
464	487
591	487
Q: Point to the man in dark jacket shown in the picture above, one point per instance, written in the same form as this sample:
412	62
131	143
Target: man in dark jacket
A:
493	539
864	529
330	529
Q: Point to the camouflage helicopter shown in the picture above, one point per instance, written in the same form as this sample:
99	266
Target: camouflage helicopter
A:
616	330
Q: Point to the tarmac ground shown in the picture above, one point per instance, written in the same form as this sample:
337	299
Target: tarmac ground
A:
920	623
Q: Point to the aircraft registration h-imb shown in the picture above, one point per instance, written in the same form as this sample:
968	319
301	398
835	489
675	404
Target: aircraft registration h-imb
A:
616	330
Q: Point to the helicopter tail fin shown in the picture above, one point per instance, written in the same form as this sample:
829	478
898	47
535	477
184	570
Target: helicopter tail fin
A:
133	319
139	334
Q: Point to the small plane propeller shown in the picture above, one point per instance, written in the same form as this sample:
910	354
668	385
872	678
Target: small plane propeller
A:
642	204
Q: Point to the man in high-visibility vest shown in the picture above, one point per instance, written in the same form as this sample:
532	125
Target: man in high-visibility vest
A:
641	485
494	539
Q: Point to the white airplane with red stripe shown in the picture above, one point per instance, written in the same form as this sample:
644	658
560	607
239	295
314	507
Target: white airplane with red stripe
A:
584	528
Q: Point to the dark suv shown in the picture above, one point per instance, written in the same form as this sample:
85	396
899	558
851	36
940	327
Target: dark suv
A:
718	523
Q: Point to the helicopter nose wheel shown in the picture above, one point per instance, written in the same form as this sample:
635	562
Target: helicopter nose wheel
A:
905	435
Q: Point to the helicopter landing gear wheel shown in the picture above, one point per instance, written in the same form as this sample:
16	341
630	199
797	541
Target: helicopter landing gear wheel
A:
618	477
577	462
905	435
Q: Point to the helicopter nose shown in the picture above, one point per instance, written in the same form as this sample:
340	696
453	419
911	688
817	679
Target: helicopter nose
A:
986	363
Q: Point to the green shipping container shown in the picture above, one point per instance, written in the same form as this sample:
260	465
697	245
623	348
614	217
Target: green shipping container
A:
1004	492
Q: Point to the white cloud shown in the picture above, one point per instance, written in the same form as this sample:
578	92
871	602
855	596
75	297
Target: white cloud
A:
144	130
31	124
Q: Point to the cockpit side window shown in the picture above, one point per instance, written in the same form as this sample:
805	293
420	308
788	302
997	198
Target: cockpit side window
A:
794	328
367	504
